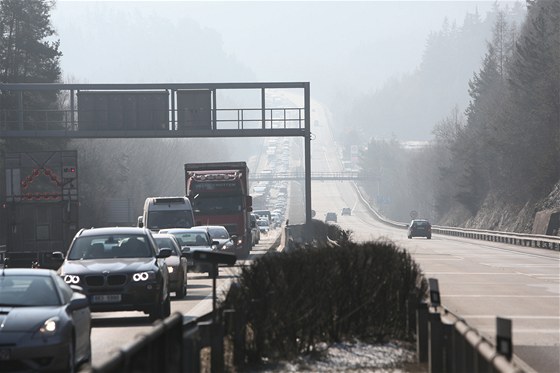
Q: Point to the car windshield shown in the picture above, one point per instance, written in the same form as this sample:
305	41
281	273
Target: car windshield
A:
218	232
192	238
110	246
28	291
168	243
262	223
169	219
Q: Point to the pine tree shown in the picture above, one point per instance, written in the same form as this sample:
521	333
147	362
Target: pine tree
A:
29	53
533	132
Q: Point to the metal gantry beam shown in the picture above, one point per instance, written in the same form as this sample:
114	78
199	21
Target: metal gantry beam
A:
106	115
324	176
307	137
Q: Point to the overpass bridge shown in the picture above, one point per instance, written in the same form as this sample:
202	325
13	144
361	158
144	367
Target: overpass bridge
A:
322	176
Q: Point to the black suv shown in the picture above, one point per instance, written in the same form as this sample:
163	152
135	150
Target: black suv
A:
420	228
120	269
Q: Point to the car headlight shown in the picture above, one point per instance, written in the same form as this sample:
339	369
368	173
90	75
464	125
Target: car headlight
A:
49	328
144	276
170	269
72	279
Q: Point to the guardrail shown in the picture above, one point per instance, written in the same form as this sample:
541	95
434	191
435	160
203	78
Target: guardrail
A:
173	345
519	239
216	343
448	344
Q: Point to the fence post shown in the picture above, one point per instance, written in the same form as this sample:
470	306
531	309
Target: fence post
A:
504	345
422	339
191	351
447	347
435	347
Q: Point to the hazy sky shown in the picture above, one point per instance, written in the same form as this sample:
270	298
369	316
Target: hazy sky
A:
343	43
343	48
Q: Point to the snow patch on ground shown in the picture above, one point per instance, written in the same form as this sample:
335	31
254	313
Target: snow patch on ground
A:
350	357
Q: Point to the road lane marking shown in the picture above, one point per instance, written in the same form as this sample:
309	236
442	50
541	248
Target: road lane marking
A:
527	317
499	296
520	265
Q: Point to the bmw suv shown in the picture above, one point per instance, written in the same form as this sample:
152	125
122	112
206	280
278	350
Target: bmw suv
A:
119	269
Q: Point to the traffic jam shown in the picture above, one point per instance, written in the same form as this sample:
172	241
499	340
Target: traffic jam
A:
48	297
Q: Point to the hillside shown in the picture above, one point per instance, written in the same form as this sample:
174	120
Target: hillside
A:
495	214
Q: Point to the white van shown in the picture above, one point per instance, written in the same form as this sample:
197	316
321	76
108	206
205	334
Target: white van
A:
166	212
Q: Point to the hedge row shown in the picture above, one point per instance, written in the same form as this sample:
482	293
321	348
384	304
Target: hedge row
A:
293	301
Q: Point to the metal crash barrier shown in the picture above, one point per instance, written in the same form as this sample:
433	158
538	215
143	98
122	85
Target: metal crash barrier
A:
512	238
448	344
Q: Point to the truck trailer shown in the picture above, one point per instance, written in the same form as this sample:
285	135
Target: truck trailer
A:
219	193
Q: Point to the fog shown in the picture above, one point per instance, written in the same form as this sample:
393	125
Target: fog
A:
343	48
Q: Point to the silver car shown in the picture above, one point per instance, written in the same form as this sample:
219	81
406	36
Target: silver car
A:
195	239
176	263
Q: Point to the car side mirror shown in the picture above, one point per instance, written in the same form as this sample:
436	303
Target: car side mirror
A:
78	303
57	256
215	258
77	288
164	253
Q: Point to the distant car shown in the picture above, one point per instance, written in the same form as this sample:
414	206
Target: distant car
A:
45	324
420	228
264	227
226	243
276	220
346	211
195	239
176	264
119	269
330	217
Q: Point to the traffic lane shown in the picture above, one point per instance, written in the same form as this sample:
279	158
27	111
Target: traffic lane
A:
112	331
479	280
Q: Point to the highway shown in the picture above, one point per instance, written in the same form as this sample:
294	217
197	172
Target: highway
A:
114	330
478	280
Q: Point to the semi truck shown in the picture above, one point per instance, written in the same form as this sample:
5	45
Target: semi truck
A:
39	206
219	194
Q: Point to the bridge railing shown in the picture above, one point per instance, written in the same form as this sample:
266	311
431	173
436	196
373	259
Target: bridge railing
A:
150	110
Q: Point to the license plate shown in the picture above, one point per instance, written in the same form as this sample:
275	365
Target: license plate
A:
106	298
4	354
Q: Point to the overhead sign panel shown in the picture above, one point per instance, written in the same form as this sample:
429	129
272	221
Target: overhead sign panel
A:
194	109
123	110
